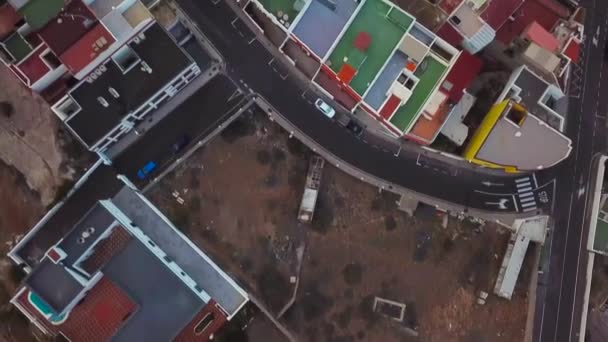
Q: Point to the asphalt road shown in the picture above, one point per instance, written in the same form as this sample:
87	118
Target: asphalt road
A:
560	303
195	118
251	64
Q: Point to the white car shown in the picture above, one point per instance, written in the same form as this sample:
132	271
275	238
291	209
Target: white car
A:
325	108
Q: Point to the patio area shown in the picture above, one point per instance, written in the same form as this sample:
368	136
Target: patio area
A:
429	73
381	26
322	22
427	127
284	10
378	92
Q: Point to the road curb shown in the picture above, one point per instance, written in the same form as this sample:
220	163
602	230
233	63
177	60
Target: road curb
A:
505	220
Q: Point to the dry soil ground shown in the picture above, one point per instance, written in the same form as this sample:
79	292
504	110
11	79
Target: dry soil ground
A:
241	194
33	140
38	159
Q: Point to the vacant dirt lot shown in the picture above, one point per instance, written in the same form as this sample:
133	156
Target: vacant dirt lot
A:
38	159
241	194
33	141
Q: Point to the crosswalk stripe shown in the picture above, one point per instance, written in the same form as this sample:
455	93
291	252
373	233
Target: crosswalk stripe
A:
526	195
526	205
519	180
527	200
529	209
524	189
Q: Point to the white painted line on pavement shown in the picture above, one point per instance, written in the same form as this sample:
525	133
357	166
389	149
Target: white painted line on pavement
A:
528	200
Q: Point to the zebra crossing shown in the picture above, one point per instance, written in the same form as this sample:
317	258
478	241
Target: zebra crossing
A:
525	192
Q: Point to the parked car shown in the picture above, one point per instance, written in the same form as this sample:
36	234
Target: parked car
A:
325	108
146	170
180	144
354	127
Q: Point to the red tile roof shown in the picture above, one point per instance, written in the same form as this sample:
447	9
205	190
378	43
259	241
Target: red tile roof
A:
190	333
529	12
72	23
83	52
97	317
8	19
33	67
572	50
448	33
462	74
497	12
543	38
106	249
100	315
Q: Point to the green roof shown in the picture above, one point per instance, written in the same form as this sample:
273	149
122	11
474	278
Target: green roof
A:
600	243
429	73
39	12
17	46
386	25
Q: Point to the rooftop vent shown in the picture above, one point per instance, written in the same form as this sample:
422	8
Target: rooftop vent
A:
103	101
113	92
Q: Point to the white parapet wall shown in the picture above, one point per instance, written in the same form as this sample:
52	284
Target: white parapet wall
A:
511	265
597	200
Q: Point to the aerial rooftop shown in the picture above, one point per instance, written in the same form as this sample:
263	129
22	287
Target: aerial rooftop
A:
8	19
128	277
367	43
133	75
512	138
70	24
322	22
544	100
38	13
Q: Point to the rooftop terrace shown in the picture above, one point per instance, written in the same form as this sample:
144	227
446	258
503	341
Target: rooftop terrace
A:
284	10
166	304
543	100
322	22
385	25
135	75
521	140
8	19
429	73
97	318
68	27
17	46
38	13
199	267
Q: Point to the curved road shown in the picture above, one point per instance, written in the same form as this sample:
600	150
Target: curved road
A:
253	65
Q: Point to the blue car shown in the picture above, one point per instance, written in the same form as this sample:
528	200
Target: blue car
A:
146	170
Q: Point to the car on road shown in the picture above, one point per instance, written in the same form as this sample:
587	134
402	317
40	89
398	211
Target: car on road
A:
325	108
355	127
180	144
146	170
